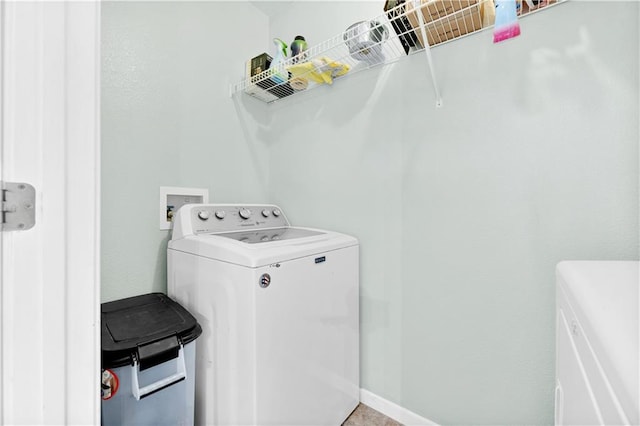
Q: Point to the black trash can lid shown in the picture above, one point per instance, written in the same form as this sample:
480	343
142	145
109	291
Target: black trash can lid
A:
140	320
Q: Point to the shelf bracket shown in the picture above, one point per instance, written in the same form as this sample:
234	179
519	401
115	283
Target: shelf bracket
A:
427	50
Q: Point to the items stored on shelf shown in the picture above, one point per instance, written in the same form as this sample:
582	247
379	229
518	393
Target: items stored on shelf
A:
397	17
364	40
507	25
405	28
448	19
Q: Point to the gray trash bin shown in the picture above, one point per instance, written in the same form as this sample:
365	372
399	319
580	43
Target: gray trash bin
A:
148	361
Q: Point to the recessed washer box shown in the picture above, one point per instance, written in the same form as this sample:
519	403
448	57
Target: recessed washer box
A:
172	198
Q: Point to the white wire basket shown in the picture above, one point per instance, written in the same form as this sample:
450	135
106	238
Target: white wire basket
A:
400	31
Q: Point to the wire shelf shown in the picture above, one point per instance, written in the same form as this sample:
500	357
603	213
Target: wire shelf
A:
399	32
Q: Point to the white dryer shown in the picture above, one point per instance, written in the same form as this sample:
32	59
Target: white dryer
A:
597	343
279	309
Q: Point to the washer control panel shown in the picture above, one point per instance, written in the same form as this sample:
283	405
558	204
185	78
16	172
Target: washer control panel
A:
215	218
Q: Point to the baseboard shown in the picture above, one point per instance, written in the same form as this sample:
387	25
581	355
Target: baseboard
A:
392	410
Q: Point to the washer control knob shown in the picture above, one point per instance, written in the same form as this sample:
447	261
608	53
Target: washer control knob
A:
266	213
276	212
203	215
220	214
245	213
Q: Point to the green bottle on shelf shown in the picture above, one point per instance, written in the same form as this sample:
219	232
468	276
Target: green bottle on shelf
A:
298	46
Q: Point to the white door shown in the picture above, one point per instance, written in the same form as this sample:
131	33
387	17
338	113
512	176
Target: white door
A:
49	280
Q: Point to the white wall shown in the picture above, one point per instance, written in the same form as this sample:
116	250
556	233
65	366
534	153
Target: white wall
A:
168	120
464	211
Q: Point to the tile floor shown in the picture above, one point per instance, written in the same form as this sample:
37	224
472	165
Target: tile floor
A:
367	416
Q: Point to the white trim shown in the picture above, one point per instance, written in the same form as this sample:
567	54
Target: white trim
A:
82	319
392	410
2	36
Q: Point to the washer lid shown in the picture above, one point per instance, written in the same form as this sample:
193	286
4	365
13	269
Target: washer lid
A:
270	235
253	252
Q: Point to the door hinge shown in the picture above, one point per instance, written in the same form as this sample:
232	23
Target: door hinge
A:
18	206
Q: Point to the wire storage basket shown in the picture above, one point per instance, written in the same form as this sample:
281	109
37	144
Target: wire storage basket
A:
406	27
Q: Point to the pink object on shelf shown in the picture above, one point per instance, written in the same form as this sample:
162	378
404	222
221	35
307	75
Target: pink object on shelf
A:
507	25
506	33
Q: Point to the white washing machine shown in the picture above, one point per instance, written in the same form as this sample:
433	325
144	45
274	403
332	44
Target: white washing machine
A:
279	309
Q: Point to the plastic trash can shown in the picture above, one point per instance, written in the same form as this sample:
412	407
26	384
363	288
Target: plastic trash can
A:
148	361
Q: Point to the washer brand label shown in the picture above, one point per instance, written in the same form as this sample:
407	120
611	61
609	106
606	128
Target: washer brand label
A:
320	259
